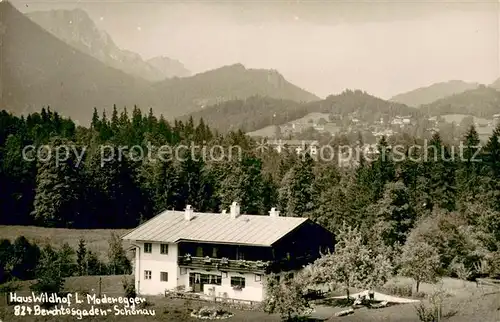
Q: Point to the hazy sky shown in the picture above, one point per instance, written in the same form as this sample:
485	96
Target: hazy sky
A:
384	48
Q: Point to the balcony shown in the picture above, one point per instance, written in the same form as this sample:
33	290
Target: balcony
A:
258	267
224	264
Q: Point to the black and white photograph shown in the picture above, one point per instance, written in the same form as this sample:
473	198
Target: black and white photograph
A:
249	160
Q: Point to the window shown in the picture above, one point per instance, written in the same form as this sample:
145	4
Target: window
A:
203	279
237	282
148	247
163	276
240	255
147	275
164	249
258	277
211	279
214	252
199	251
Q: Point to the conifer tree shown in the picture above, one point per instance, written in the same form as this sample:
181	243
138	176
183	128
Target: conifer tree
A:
115	121
442	174
383	168
160	181
81	255
119	264
469	168
95	120
192	183
297	195
245	185
395	212
58	191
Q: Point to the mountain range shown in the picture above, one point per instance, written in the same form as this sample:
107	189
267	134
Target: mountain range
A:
75	68
39	69
228	83
77	29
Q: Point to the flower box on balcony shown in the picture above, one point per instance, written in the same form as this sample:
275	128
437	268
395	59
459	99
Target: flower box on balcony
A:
187	258
224	261
261	264
207	260
242	263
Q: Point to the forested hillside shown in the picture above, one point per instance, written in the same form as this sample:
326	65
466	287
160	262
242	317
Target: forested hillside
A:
434	92
481	102
257	112
251	114
366	106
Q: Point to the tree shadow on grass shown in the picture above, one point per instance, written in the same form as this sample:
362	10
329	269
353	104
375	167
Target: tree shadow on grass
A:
336	302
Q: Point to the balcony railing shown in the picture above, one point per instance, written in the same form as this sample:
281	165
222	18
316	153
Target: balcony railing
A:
262	267
224	264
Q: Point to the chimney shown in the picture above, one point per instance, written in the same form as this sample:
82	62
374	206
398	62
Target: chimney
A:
235	210
274	212
188	213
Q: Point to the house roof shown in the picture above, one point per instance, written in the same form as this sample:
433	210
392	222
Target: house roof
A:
171	227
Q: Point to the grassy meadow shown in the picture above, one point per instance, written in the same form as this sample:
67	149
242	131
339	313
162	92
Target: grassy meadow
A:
96	239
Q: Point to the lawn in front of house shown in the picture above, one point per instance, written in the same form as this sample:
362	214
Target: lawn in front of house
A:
467	301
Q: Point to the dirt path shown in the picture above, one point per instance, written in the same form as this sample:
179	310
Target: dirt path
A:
381	297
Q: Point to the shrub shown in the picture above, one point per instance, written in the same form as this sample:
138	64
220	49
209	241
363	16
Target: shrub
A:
49	277
118	261
129	287
433	311
211	313
145	304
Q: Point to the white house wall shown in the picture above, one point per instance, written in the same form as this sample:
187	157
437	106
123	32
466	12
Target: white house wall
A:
253	290
156	263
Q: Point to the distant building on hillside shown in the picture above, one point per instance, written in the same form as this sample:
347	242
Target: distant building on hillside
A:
319	127
299	146
386	133
397	121
401	120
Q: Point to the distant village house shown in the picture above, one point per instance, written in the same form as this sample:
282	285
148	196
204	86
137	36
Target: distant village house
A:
299	146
